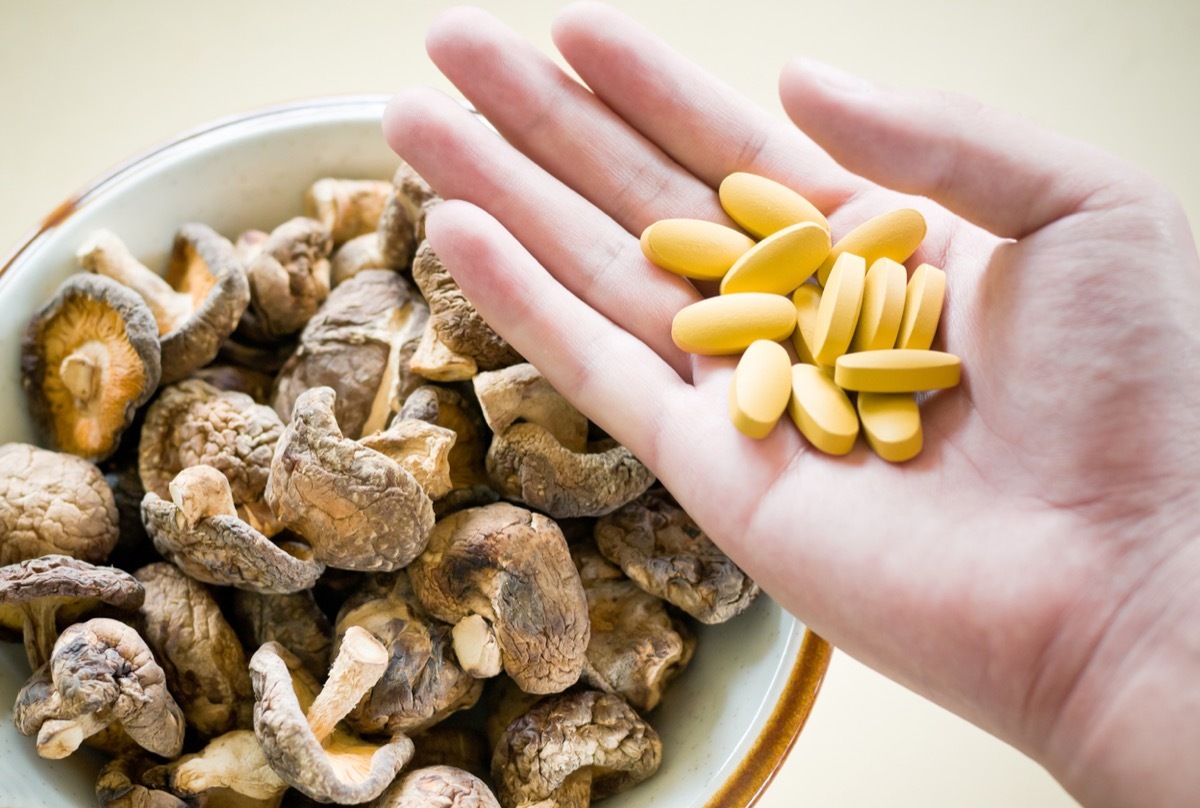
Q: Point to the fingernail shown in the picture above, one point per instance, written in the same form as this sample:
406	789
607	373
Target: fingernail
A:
833	77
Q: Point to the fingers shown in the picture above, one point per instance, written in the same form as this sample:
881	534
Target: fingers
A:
560	125
614	378
701	123
994	169
586	251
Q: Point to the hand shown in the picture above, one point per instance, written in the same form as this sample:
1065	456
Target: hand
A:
1035	569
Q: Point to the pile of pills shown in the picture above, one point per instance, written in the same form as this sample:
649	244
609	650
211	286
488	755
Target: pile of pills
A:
861	327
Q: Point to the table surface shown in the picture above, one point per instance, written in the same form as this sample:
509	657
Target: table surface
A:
86	85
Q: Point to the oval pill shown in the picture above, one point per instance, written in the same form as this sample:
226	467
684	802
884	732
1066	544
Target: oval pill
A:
807	300
728	324
760	389
899	370
841	302
822	411
923	301
882	306
895	235
694	248
892	424
763	206
780	262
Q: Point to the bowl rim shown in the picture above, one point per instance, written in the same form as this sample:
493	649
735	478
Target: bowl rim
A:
748	781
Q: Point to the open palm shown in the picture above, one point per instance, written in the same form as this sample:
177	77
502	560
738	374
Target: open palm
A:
1049	526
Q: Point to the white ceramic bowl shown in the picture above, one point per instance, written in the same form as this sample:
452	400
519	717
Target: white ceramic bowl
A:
729	720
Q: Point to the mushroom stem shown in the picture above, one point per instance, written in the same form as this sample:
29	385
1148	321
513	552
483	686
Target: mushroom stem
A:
105	254
58	738
82	371
476	647
576	790
360	663
40	630
200	492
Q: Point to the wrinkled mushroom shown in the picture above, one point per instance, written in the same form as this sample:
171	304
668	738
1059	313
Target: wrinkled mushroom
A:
234	379
293	620
193	423
505	702
89	358
119	785
232	762
457	342
289	279
356	255
198	304
359	509
460	747
455	411
197	649
347	207
402	224
34	592
199	530
305	748
421	448
53	503
574	748
637	648
101	672
522	393
666	553
354	344
423	682
504	577
442	786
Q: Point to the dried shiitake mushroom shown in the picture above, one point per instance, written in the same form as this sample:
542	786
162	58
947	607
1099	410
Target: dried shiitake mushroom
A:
421	448
52	502
293	620
288	274
347	208
402	224
119	785
233	762
444	745
89	358
453	410
442	786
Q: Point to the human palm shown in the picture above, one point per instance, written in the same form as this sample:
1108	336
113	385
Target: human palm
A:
1049	523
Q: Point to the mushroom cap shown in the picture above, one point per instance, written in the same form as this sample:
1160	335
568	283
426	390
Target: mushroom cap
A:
666	553
526	463
192	423
637	646
235	379
347	208
199	651
421	448
569	733
402	223
289	279
423	682
522	393
511	567
348	345
356	255
346	770
358	508
459	412
443	786
105	340
231	769
203	266
118	785
292	619
52	502
39	588
460	747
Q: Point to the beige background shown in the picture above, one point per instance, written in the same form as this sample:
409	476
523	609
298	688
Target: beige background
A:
84	85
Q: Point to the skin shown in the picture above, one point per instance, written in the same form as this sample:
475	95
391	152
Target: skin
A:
1035	569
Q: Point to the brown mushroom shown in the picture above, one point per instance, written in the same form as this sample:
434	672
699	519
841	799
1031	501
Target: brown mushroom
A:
133	548
505	702
193	423
359	509
574	748
198	529
231	762
347	207
356	255
457	342
402	224
89	358
421	448
197	649
666	553
268	358
53	503
354	345
289	279
461	747
305	748
292	619
119	785
503	575
637	647
198	304
423	682
34	592
458	412
235	379
442	786
101	672
522	393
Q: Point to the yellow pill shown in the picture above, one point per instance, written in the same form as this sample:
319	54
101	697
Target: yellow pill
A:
895	235
807	300
694	248
821	411
892	425
882	307
763	206
897	371
922	308
841	302
728	324
760	389
780	262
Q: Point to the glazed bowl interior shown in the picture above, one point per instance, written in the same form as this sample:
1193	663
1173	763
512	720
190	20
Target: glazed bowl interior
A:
727	722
